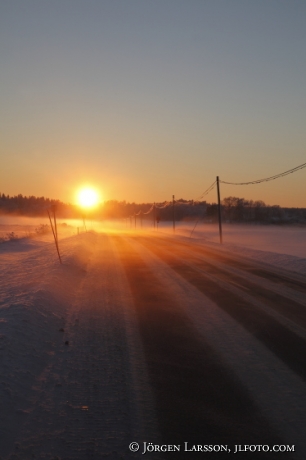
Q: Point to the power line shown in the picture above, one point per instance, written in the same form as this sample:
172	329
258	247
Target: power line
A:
182	203
210	188
148	212
199	218
165	205
259	181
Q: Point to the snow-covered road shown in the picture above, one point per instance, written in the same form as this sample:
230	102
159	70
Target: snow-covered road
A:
143	337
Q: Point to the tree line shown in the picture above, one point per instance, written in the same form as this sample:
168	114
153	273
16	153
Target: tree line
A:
248	211
32	206
234	210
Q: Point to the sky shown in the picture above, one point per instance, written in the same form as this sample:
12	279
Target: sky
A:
145	99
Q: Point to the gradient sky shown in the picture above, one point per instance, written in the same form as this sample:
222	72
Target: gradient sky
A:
149	98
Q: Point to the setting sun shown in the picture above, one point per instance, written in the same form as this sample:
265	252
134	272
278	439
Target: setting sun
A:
88	197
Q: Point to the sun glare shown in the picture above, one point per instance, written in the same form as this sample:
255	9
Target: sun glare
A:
88	197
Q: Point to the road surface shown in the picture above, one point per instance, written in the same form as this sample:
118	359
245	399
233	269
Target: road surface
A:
150	338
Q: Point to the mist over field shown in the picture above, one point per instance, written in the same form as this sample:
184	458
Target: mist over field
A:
284	239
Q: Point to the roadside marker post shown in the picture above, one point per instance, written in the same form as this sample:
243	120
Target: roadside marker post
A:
219	210
54	231
84	224
173	217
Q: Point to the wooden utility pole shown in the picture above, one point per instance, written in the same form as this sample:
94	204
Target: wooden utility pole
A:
154	214
219	210
173	214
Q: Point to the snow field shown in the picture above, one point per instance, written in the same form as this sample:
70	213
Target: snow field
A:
94	388
91	397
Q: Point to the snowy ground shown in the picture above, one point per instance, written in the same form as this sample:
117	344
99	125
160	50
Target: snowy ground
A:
283	246
273	239
149	337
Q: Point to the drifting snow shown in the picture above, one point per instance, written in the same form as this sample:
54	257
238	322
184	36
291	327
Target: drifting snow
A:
51	315
283	247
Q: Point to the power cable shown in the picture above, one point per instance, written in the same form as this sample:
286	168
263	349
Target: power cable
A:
207	191
259	181
148	212
199	218
168	203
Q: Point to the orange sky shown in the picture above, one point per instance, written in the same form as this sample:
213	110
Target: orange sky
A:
144	100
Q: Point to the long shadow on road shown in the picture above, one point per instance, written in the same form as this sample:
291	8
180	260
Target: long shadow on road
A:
197	399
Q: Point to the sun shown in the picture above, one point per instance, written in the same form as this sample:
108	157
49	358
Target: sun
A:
88	197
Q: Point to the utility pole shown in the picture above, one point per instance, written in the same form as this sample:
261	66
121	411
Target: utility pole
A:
135	219
154	216
219	210
173	213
